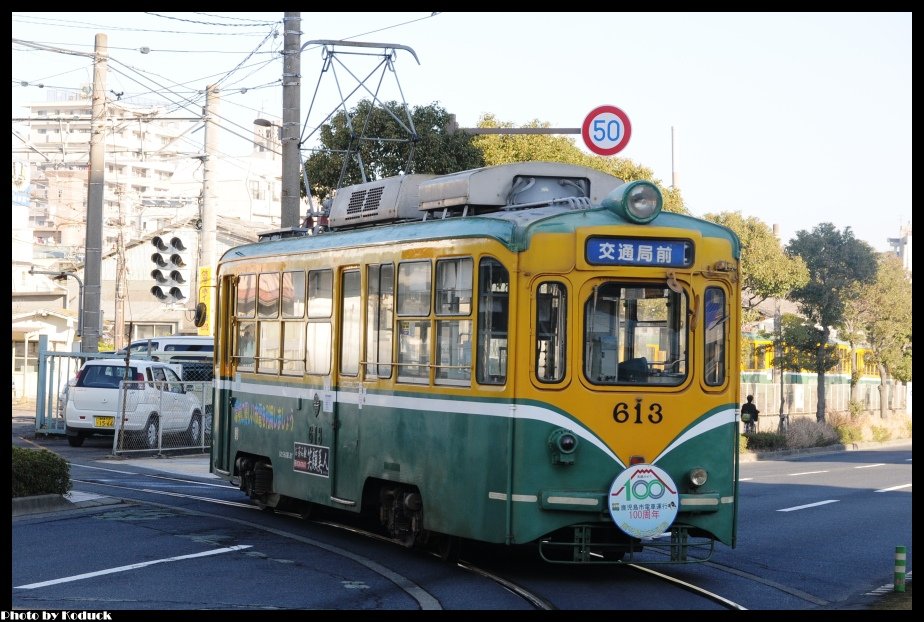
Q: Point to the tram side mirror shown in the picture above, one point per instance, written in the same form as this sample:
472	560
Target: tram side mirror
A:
201	315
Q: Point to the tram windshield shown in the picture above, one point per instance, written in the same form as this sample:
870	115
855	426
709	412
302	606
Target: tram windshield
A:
635	334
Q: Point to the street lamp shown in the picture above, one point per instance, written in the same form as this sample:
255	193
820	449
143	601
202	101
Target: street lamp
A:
60	276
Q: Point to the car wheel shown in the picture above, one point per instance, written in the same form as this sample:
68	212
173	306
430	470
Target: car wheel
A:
194	432
75	441
150	433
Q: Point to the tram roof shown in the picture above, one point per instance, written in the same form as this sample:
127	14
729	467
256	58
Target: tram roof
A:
513	228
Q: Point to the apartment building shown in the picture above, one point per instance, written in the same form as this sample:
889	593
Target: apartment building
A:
153	181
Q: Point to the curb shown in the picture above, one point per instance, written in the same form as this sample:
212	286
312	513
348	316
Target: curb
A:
754	456
40	504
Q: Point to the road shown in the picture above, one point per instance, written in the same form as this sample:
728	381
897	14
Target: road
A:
817	532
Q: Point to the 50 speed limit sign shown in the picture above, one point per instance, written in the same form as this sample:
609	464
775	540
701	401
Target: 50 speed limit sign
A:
606	130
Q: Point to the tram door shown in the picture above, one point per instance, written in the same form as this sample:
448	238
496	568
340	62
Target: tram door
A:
345	477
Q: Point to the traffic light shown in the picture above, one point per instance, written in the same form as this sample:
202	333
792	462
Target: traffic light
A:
171	273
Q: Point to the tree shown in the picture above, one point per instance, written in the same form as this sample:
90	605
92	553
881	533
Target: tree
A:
799	349
369	143
836	262
766	271
506	148
888	335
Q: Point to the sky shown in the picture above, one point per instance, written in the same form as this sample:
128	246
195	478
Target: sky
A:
793	118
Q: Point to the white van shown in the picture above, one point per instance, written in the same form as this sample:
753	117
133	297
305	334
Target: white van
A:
200	347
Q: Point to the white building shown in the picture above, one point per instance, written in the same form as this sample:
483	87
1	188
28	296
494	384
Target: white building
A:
153	170
901	246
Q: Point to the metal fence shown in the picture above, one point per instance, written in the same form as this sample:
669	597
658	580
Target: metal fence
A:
158	417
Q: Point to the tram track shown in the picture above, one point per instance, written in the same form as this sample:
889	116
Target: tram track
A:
426	600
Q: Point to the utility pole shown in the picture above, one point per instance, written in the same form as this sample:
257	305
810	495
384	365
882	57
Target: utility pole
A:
208	233
92	267
118	336
291	113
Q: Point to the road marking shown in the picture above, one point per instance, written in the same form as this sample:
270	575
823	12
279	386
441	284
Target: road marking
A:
90	575
870	466
86	466
806	473
809	505
893	488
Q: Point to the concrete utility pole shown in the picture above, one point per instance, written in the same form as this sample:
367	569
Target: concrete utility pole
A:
92	267
208	233
291	113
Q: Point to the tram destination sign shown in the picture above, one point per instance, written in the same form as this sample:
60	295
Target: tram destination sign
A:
606	251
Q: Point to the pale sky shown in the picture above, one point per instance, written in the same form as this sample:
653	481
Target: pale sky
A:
794	118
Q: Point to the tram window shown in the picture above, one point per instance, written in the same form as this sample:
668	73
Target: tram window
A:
454	352
350	327
320	293
318	331
318	348
380	303
551	335
293	294
493	297
715	320
268	360
268	295
454	286
245	348
293	348
414	288
246	296
414	351
635	335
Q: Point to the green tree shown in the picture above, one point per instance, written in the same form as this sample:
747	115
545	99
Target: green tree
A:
836	261
507	148
372	142
888	335
766	271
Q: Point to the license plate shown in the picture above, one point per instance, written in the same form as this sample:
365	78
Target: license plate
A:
104	422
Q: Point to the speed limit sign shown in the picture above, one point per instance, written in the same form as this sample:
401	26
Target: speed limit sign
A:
606	130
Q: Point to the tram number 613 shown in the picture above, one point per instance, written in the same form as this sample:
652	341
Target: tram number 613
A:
622	414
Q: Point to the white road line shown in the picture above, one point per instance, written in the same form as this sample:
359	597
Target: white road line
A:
870	466
89	575
806	473
87	466
810	505
893	488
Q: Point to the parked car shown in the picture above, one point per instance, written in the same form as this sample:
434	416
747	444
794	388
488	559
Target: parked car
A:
149	395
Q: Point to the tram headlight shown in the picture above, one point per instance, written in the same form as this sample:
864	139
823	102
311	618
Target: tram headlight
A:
637	201
563	444
697	477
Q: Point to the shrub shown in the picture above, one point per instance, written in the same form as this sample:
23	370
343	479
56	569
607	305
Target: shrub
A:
766	441
880	434
39	472
807	432
742	443
848	427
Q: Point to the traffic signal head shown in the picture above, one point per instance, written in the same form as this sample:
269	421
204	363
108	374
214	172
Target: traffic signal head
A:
172	272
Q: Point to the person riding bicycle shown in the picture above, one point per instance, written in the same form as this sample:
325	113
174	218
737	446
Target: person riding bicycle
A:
749	415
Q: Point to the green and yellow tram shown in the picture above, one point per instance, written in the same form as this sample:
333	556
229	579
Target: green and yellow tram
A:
531	353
